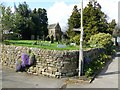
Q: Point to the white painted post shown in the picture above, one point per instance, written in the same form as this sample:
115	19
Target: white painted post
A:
81	40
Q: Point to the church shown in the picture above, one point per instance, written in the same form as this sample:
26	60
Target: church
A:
54	30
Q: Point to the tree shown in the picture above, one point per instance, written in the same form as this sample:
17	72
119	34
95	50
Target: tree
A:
25	20
111	26
1	39
40	20
5	20
94	21
17	22
44	24
73	22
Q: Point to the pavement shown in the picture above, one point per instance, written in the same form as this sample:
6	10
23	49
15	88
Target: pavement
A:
108	78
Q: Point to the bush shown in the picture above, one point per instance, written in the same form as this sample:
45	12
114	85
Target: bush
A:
32	59
104	41
18	65
25	59
11	36
100	40
76	39
95	65
52	39
6	42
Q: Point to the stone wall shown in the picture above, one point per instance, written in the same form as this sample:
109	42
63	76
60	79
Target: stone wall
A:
54	63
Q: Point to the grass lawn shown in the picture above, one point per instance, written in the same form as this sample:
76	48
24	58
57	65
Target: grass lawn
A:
41	44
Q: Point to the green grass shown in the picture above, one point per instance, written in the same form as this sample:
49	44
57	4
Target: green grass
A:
45	44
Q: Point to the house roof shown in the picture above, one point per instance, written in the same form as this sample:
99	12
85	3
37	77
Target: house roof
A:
7	32
116	32
52	26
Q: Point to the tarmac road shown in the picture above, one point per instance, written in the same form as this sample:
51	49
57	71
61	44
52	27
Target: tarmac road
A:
12	79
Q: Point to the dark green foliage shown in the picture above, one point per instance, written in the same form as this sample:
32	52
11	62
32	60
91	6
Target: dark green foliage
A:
6	42
76	39
112	25
25	24
11	36
94	21
24	21
40	20
100	40
52	39
73	22
5	20
96	65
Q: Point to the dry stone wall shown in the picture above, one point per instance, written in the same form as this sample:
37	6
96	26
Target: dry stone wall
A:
53	63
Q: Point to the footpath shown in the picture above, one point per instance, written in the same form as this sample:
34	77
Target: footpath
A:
108	78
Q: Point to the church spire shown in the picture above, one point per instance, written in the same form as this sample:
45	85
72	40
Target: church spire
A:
15	8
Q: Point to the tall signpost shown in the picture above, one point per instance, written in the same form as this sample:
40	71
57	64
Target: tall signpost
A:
119	14
80	73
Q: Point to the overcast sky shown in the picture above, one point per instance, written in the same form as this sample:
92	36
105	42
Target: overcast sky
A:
60	10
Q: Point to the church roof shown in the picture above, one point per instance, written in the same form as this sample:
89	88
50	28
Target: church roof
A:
52	26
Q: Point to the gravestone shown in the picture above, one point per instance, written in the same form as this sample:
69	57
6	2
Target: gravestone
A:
32	37
61	46
118	41
72	44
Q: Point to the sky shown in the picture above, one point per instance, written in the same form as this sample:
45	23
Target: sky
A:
60	10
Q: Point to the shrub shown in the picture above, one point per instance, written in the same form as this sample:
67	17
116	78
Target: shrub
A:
11	36
95	65
6	42
76	39
89	72
18	65
103	41
67	42
32	59
100	40
52	39
25	59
